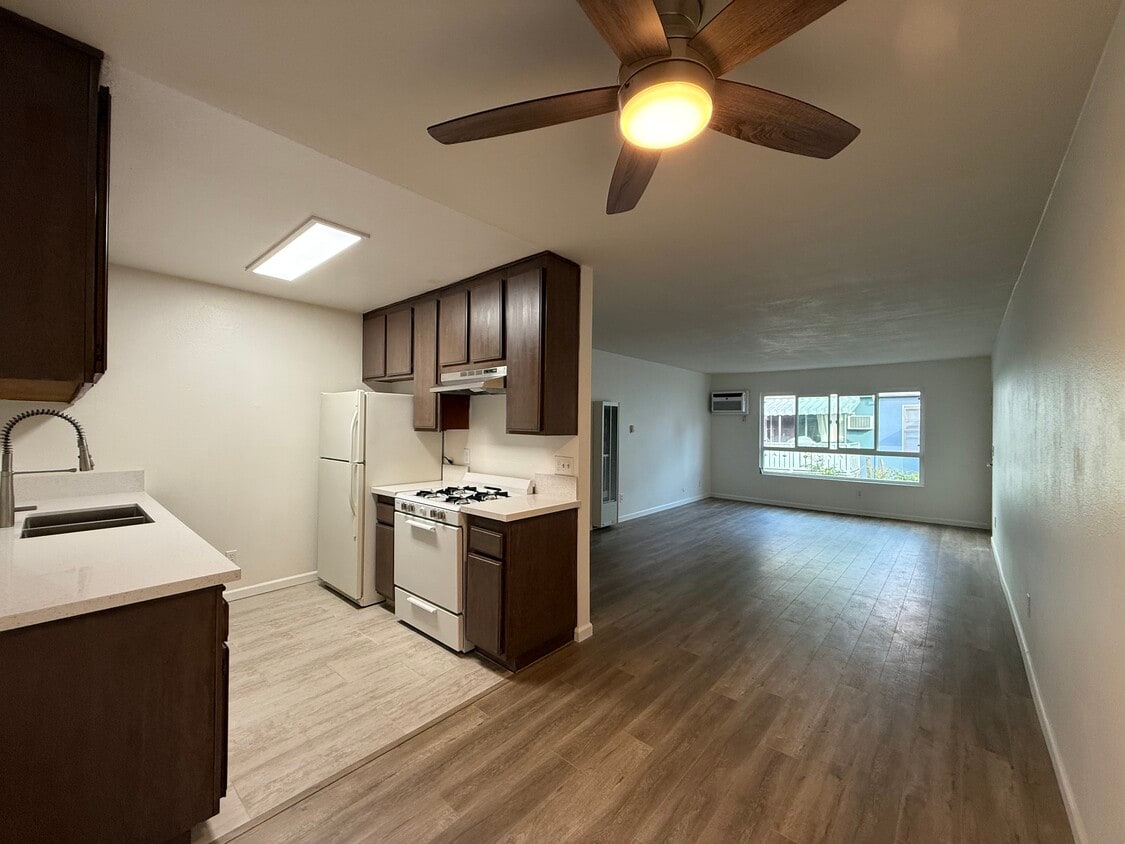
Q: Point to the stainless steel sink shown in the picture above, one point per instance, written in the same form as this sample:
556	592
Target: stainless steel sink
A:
73	521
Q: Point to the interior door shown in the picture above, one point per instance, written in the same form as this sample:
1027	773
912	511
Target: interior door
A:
339	526
342	426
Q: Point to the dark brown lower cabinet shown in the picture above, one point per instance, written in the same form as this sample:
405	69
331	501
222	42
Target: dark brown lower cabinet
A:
113	723
385	546
484	603
521	595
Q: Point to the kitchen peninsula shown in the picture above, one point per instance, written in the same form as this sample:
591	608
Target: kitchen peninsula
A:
113	646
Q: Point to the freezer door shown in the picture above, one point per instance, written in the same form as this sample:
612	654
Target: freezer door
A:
341	426
339	527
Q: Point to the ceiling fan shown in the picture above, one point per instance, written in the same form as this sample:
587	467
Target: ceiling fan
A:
669	88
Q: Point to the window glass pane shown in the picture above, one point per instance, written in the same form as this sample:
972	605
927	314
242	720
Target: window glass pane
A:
856	428
778	420
900	422
860	467
813	414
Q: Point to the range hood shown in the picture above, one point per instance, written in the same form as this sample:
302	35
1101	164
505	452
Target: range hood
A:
473	381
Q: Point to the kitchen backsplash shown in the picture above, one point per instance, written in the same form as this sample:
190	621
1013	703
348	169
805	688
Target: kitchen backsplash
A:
494	451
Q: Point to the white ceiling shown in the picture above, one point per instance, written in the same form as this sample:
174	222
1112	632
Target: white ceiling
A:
200	193
904	247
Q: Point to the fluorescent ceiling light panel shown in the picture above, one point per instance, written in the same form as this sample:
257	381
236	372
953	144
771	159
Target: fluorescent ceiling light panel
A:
313	243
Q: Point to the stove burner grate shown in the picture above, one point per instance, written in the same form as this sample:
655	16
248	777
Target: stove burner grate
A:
463	494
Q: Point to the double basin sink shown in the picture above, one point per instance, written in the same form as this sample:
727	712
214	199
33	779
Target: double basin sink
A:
75	521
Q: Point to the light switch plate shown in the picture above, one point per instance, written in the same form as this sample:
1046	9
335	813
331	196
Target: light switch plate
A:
564	465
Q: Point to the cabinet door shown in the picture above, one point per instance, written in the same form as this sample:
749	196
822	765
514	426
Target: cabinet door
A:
50	205
400	343
425	365
453	333
486	318
484	601
222	733
375	347
523	326
385	560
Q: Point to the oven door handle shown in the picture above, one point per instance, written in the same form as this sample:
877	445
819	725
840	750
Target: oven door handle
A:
422	605
432	528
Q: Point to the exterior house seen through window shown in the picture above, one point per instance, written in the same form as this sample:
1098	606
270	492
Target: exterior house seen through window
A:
874	438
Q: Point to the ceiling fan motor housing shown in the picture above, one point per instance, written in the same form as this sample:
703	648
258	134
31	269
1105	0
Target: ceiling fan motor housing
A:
666	69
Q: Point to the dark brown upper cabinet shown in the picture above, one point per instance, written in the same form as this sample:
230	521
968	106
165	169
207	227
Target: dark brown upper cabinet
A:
374	347
524	315
400	343
486	320
54	145
453	328
425	365
541	331
432	411
472	325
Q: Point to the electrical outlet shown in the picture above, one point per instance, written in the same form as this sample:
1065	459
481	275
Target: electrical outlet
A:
232	555
564	465
465	457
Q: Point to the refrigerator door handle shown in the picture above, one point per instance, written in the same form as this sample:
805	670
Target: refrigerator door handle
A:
351	489
355	427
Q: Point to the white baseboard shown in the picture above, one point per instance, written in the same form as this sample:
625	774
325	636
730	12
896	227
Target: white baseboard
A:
1076	825
662	507
581	634
847	511
269	586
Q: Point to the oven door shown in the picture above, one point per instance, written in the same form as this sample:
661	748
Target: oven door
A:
429	560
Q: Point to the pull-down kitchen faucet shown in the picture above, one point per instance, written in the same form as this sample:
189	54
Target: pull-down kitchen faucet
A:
7	488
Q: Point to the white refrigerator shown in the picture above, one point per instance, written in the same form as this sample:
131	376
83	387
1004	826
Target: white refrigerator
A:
366	439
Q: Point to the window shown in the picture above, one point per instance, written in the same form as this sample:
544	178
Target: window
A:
873	437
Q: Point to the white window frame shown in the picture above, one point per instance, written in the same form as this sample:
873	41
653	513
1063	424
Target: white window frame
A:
833	399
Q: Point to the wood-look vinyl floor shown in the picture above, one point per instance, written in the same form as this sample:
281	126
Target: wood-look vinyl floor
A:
318	685
756	674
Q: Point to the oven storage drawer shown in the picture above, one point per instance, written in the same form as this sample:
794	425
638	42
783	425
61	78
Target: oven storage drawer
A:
426	616
429	558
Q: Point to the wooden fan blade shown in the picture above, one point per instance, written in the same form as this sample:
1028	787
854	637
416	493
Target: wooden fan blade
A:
748	27
777	121
531	114
632	28
635	167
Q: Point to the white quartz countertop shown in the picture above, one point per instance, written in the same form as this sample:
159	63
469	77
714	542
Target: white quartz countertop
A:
395	489
45	578
521	507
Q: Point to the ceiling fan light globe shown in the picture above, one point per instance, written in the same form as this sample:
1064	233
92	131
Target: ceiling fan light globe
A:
665	115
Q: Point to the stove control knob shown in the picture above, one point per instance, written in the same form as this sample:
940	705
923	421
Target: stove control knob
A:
436	514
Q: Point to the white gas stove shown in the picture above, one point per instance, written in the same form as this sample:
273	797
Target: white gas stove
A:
430	547
442	504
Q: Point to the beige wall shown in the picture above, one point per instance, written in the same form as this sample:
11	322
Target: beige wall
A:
215	393
957	398
1059	497
496	452
666	460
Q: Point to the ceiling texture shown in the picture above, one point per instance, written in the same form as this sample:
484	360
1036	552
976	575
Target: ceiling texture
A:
738	258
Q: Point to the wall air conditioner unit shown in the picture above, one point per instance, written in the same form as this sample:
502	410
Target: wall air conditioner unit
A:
730	401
